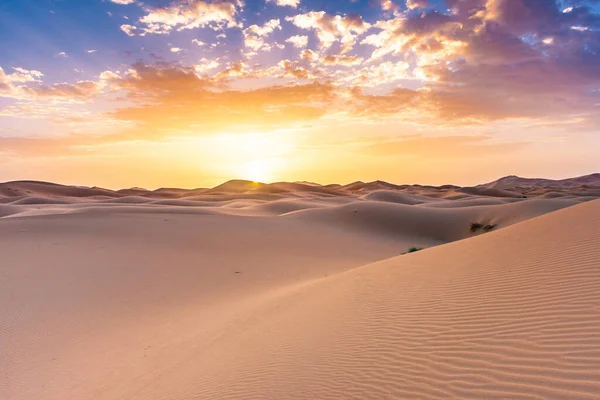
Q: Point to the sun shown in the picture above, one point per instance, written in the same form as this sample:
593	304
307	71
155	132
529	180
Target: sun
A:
258	157
257	170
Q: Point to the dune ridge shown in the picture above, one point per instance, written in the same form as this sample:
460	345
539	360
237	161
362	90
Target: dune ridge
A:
29	198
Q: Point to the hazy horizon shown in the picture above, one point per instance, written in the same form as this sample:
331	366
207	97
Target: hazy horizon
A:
200	186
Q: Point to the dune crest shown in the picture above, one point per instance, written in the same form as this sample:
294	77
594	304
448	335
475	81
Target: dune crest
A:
29	198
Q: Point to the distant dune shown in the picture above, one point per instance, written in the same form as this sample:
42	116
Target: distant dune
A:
513	182
508	187
293	290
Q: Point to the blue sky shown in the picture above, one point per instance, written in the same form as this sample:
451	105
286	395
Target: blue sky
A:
36	31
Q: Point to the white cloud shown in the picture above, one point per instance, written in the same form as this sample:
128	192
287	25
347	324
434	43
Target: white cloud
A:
298	41
548	40
205	66
176	50
389	5
129	29
413	4
91	51
22	75
263	30
379	74
124	2
341	60
332	28
62	54
254	35
308	55
198	42
190	14
16	85
283	3
108	75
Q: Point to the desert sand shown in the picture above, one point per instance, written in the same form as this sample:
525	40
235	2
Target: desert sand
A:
301	291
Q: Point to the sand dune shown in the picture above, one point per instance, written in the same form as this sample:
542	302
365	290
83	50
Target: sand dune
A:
279	291
482	191
398	197
512	314
536	186
46	189
425	224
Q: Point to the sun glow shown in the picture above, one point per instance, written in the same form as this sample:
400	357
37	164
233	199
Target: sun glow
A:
258	157
257	170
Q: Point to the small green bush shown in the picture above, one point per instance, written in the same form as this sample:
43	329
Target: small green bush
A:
413	249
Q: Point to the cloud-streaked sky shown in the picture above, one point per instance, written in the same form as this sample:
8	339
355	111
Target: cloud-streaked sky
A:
195	92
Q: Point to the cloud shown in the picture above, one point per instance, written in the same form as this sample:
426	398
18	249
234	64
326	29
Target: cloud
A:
25	84
293	70
263	30
123	2
298	41
332	28
309	55
283	3
62	54
377	74
79	91
478	62
108	75
169	98
492	59
21	75
91	51
413	4
389	5
238	69
205	66
341	60
424	35
254	35
129	30
189	14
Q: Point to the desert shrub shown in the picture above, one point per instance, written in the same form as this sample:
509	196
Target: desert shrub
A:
488	228
475	226
413	249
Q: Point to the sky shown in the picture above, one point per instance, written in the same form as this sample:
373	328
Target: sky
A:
192	93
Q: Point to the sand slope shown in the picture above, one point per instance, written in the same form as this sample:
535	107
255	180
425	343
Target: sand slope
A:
513	314
103	299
